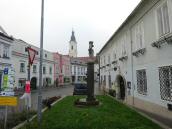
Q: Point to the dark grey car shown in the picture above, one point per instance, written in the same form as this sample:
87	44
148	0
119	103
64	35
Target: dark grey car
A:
80	89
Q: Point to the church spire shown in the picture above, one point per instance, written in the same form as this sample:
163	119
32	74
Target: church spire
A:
73	37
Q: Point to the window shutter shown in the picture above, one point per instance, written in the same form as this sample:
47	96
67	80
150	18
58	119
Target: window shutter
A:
160	24
166	18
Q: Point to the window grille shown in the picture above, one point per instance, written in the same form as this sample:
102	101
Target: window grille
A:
165	78
141	81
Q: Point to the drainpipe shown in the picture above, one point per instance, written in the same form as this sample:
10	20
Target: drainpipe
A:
99	68
132	72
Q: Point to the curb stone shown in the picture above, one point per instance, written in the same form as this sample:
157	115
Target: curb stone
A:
143	114
43	110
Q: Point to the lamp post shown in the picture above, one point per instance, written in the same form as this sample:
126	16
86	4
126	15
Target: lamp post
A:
40	68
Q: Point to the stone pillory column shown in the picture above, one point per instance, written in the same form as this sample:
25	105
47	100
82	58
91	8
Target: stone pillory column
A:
90	73
90	100
90	81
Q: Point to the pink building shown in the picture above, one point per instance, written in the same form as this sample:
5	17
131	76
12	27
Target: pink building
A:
65	69
62	73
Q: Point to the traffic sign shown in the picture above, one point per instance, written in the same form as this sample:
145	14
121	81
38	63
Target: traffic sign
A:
5	70
8	101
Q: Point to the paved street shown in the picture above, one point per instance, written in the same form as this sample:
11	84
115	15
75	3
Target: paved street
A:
50	92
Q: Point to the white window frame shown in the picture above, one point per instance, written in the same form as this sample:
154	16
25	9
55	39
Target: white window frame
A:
50	70
168	3
22	69
6	51
139	41
34	69
44	72
124	50
109	58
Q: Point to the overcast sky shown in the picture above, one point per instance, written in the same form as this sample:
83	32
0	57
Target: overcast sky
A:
92	20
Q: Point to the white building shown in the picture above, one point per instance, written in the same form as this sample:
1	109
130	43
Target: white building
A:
137	59
78	70
5	53
20	61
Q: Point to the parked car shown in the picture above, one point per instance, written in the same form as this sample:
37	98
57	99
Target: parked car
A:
80	89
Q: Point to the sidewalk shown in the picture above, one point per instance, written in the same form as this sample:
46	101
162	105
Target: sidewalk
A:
165	121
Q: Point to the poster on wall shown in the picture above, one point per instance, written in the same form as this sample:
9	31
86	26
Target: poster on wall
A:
7	88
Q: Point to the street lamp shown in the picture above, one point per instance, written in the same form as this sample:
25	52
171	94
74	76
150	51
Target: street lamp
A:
40	68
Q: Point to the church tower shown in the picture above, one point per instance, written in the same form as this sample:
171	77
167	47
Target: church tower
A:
73	46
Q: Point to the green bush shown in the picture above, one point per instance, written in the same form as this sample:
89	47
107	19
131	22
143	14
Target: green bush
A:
16	118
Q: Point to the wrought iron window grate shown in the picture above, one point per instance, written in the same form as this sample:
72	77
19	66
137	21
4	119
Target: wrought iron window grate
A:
141	81
165	77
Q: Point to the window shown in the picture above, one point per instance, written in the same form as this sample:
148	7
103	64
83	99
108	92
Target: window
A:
44	70
22	67
163	19
165	77
78	70
109	77
114	55
45	55
139	36
124	46
104	79
81	71
141	81
74	69
6	52
57	69
50	70
108	59
101	80
21	82
72	47
104	60
34	69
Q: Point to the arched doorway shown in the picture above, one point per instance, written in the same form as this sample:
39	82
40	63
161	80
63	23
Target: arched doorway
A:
33	82
121	84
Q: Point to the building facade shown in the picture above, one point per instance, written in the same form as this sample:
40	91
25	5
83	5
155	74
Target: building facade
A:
57	68
62	69
5	53
78	70
65	68
20	62
137	60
